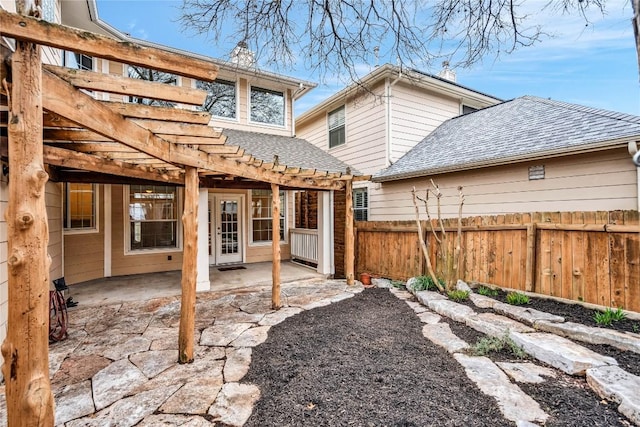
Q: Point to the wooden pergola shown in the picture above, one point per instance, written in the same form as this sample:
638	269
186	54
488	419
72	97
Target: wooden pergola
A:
55	128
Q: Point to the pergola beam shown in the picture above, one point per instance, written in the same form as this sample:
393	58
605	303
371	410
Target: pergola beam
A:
61	37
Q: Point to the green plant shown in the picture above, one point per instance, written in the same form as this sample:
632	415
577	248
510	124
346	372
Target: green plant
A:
458	295
516	298
425	283
489	345
635	328
397	283
607	317
487	291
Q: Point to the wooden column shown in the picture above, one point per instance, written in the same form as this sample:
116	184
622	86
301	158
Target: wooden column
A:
349	237
189	266
530	266
26	347
275	243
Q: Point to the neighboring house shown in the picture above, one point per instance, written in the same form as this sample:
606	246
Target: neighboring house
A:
525	155
372	124
102	226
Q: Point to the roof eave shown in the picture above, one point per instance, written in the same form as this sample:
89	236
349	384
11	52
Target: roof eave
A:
606	145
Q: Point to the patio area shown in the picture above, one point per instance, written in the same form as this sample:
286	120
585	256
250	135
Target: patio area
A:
139	287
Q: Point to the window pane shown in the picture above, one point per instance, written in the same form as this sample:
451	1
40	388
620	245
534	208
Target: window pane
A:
267	106
153	234
80	208
261	215
336	123
221	98
360	204
153	216
336	137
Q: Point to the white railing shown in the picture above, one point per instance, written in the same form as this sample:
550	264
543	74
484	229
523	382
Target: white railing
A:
304	244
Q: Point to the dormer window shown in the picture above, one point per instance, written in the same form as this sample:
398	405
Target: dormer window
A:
221	98
267	106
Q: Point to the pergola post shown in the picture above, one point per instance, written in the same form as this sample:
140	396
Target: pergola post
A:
189	266
26	347
349	238
275	242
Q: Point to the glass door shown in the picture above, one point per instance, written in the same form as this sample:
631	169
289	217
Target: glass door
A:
227	228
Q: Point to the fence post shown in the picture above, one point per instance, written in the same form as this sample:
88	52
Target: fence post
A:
530	278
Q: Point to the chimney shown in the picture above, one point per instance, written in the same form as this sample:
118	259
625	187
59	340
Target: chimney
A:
447	73
242	56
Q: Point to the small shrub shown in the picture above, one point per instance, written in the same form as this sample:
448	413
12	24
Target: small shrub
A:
458	295
607	317
489	345
397	283
516	298
487	291
425	283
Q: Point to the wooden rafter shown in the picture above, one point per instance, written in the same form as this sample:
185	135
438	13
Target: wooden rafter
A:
61	37
128	86
141	111
174	128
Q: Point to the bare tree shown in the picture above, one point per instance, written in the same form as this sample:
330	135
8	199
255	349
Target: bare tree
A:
334	36
136	72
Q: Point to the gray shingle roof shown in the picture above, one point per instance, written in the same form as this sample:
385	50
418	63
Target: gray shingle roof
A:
515	130
292	152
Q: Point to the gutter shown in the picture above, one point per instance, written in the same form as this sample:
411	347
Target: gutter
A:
617	143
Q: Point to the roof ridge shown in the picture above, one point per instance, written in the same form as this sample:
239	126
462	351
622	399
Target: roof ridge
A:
614	115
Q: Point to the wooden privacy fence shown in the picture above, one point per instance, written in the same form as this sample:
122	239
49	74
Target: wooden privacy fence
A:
583	256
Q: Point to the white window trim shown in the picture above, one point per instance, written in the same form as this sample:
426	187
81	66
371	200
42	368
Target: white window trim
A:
250	221
368	208
127	227
96	203
343	106
267	125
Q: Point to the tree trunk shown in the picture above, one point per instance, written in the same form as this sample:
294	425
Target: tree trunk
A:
26	347
189	266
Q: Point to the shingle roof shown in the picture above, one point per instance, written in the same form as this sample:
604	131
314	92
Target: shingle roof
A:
515	130
291	151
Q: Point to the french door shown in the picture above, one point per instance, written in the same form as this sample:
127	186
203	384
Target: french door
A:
225	219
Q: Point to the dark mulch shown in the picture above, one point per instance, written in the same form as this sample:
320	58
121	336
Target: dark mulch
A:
568	400
362	362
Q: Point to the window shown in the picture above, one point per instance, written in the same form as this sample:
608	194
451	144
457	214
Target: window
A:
360	204
261	216
336	127
78	61
79	201
142	73
153	217
267	106
221	98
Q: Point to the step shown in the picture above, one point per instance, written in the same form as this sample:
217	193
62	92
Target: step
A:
577	331
524	314
614	383
495	325
560	352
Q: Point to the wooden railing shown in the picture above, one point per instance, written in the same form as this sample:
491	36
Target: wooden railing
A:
582	256
304	244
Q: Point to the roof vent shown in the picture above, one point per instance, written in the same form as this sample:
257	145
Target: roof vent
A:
241	55
447	73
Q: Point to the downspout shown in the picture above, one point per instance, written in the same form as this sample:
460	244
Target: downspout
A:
635	152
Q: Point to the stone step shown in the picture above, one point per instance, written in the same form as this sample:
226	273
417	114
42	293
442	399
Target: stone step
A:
495	325
560	352
514	404
577	331
440	334
524	314
614	383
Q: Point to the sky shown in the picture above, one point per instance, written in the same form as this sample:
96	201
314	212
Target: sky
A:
594	65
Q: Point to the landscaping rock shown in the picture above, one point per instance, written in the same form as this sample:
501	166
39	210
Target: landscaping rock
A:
482	301
74	401
526	315
429	317
580	332
461	285
234	404
427	296
495	325
237	364
453	310
133	345
416	306
279	316
612	382
222	335
440	334
560	353
526	372
77	369
252	337
171	420
381	283
195	397
115	381
411	284
151	363
513	402
401	293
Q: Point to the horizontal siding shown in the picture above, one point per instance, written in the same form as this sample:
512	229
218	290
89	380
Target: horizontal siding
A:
53	201
415	113
596	181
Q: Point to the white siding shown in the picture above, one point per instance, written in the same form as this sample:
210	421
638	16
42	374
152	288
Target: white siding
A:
365	147
53	197
588	182
415	113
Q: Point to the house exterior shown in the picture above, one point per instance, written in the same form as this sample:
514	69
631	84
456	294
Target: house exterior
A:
102	227
372	124
524	155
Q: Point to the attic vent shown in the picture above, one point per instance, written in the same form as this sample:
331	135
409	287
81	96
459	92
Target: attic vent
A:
536	172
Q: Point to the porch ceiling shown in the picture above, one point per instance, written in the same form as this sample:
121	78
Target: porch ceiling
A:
87	139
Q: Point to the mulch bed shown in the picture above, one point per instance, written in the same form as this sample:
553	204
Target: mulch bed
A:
365	362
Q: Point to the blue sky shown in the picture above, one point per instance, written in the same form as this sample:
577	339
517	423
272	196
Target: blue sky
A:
592	65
